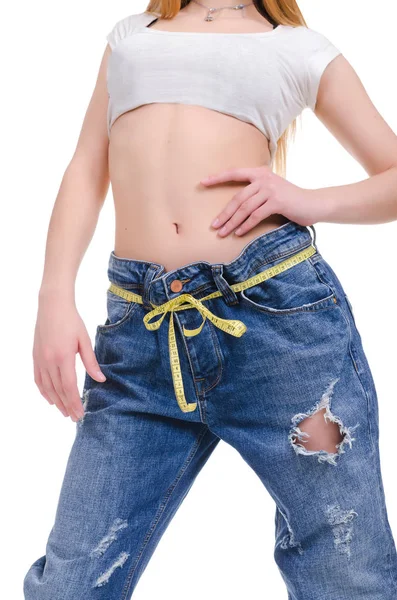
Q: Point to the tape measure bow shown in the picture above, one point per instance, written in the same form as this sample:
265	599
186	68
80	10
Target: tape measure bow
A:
187	301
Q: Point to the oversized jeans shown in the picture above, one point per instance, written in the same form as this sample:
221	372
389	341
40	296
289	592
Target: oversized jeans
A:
136	454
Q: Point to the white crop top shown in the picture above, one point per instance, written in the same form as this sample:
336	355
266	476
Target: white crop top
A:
266	78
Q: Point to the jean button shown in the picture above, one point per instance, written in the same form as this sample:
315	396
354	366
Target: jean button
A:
176	285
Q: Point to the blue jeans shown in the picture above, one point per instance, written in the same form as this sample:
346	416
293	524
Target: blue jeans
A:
136	454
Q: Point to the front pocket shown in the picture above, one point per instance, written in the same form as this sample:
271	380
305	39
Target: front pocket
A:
297	289
119	311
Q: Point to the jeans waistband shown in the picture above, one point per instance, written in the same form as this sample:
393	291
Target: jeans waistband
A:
153	282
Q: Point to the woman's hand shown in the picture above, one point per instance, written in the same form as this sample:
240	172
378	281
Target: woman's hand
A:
266	194
59	334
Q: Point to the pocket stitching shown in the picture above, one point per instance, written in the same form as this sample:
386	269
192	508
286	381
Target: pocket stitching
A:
310	307
319	275
286	254
129	312
329	301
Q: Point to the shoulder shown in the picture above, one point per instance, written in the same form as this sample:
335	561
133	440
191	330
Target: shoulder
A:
308	41
125	26
312	53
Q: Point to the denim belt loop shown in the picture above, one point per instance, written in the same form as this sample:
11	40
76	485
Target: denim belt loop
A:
223	286
150	274
314	236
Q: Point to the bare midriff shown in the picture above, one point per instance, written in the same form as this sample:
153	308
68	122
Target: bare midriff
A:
158	153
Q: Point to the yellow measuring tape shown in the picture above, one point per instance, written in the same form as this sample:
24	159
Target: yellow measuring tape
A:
186	301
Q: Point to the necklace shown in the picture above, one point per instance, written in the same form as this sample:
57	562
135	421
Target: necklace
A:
210	17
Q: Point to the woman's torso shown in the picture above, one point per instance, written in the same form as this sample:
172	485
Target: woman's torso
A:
158	153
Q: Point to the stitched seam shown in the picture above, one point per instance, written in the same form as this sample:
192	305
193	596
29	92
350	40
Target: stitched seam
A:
130	312
125	285
351	351
204	406
351	354
265	262
279	255
217	350
161	509
202	415
311	308
350	307
321	277
278	522
192	372
206	286
201	407
202	287
365	393
315	258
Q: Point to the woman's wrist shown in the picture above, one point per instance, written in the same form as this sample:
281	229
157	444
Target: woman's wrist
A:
51	292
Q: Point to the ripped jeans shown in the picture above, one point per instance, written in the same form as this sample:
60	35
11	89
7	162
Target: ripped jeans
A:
136	454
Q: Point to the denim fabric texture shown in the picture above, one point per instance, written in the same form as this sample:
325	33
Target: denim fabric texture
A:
136	454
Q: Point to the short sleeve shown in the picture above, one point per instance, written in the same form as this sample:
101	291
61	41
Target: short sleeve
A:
127	25
118	32
321	51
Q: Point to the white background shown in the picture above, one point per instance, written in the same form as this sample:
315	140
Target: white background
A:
220	543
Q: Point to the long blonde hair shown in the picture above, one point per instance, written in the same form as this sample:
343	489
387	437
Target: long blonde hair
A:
282	12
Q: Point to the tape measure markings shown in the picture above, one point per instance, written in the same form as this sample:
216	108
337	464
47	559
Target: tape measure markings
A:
186	301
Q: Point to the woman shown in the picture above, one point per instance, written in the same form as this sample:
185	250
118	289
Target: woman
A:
236	329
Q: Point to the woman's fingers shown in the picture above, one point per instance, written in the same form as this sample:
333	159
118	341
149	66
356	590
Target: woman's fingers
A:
258	215
71	393
58	384
243	213
49	391
39	382
58	332
89	358
55	374
246	201
56	377
242	196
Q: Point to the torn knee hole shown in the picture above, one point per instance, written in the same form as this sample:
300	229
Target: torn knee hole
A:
320	432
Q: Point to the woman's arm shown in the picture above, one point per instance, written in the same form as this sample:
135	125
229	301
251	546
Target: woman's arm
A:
60	333
345	108
80	198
